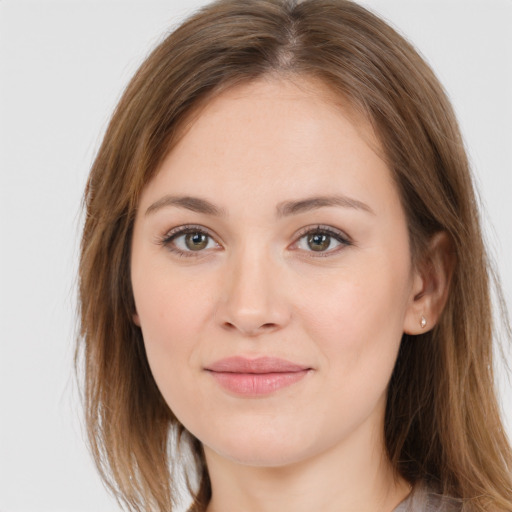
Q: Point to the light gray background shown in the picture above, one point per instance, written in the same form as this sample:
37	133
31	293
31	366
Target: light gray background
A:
63	65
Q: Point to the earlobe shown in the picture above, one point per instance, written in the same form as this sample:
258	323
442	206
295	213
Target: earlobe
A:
136	319
431	285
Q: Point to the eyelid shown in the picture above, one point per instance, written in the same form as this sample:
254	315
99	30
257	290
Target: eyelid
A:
335	233
170	235
186	228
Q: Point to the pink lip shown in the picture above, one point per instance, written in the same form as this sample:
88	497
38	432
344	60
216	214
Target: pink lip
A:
255	377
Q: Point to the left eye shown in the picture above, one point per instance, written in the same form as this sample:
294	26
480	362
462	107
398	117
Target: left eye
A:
320	241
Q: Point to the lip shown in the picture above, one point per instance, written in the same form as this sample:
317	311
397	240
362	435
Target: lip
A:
256	377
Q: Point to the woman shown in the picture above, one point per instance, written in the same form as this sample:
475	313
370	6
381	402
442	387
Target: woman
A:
282	263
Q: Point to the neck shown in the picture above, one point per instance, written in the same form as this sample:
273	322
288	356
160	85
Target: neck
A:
348	478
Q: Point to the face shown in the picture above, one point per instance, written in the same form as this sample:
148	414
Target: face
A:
272	277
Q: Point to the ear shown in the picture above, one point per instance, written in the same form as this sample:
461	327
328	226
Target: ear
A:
136	319
431	284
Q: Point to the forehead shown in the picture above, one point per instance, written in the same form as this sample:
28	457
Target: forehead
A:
292	134
291	91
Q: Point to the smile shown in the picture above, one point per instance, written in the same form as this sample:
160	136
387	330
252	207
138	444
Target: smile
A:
256	377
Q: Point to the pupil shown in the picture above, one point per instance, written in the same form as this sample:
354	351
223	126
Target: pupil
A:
196	241
319	242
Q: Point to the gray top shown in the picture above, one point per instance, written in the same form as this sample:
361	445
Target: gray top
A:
423	499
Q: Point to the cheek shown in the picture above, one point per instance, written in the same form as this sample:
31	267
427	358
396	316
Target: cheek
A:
171	322
359	302
357	318
170	304
172	311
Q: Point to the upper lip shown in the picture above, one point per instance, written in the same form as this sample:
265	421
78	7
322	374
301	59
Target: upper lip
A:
258	365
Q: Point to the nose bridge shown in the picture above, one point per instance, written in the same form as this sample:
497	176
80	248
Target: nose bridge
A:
252	300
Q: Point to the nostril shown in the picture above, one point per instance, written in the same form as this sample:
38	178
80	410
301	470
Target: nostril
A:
250	330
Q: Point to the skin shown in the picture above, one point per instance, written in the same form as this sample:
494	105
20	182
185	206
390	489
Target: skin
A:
257	288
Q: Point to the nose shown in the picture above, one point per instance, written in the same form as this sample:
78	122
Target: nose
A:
253	295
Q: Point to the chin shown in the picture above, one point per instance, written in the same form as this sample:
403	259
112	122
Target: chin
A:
264	447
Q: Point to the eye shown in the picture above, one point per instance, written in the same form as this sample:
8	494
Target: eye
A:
321	240
186	240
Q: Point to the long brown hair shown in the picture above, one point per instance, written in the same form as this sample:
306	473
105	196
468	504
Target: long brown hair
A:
442	422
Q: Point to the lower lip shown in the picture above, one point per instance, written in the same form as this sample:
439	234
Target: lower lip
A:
257	384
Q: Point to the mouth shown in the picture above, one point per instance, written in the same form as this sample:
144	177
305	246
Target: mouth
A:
256	377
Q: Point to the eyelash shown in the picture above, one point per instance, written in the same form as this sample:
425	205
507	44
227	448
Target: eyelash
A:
339	236
168	239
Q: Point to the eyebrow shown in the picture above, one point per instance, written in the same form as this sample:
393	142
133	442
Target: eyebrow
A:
287	208
313	203
195	204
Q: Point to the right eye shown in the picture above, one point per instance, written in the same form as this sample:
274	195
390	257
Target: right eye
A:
187	240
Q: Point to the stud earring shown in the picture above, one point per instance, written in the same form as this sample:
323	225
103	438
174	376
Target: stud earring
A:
423	322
